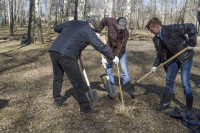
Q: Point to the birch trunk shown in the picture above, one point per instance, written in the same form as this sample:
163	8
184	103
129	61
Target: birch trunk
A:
127	13
38	21
81	7
49	16
10	15
190	12
65	10
108	8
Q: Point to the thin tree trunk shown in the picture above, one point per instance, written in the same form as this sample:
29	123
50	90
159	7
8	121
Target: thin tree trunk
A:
128	12
56	13
76	12
49	16
11	21
38	21
30	35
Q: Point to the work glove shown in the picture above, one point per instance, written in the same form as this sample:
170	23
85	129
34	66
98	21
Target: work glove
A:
104	61
189	48
116	60
153	69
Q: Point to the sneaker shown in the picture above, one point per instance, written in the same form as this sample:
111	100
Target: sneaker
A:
96	111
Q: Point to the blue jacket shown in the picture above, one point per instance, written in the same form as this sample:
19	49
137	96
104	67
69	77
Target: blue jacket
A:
74	37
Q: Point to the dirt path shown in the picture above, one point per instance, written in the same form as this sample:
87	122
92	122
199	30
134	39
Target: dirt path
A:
26	84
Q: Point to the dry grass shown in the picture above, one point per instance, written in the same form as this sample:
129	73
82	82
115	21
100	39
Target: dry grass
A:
26	81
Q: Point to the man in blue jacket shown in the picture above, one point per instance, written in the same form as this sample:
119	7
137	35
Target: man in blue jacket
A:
168	41
65	51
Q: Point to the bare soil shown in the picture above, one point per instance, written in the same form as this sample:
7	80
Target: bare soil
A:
26	103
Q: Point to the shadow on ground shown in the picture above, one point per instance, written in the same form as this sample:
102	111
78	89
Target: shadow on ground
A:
3	103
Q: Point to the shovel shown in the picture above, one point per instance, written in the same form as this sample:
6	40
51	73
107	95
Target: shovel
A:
111	89
161	65
91	94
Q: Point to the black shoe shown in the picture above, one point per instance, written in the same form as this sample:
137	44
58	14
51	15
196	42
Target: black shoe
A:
127	86
189	103
90	111
163	106
165	102
59	104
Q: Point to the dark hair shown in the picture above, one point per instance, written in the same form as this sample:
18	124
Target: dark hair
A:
120	18
153	22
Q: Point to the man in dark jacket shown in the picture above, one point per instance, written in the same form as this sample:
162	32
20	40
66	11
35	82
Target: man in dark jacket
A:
117	40
169	40
65	51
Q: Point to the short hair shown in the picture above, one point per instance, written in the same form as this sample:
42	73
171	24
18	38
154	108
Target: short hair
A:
153	22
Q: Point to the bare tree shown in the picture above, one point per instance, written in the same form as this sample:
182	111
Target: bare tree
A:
38	21
30	35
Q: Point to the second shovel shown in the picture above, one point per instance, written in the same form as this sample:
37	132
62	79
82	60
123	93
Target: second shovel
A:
111	89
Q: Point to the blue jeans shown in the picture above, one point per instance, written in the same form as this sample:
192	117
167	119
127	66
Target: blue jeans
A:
173	68
124	68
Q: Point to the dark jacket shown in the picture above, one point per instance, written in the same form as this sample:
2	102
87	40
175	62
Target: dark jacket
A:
116	41
74	37
174	40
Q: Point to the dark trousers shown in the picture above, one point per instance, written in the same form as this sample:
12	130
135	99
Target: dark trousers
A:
63	64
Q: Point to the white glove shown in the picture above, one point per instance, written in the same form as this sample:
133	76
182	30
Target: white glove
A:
116	60
189	48
104	61
153	69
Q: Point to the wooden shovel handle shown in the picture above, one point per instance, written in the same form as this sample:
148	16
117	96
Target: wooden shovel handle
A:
162	64
120	89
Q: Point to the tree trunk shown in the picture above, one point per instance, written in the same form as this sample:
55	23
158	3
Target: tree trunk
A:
65	10
30	35
190	12
127	14
38	21
49	16
81	6
108	8
56	13
10	15
76	12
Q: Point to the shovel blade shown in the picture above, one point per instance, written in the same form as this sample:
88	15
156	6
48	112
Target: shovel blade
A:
112	91
92	96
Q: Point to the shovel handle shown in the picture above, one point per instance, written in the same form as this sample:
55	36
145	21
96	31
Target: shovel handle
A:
162	64
85	74
120	89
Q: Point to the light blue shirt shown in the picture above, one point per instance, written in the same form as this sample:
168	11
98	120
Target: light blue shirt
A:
160	35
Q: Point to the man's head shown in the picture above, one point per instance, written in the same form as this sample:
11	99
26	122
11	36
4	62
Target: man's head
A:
92	23
121	23
154	25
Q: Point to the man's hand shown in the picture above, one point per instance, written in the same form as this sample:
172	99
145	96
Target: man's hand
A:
153	69
189	48
104	61
116	60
